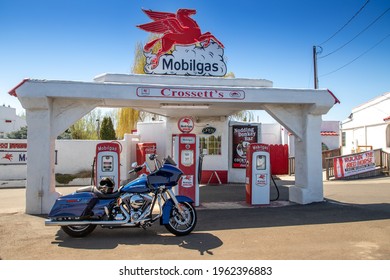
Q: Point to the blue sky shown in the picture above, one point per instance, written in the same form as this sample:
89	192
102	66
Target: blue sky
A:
80	39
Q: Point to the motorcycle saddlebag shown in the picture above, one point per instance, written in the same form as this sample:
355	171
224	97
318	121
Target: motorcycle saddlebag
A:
74	205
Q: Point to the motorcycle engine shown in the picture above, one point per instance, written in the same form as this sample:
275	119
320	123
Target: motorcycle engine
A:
136	204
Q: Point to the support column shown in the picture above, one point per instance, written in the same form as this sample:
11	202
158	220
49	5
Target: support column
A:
305	123
40	189
308	164
45	123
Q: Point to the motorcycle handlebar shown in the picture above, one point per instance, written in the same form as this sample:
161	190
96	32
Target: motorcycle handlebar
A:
137	169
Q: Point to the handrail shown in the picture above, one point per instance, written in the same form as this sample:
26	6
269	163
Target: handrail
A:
325	154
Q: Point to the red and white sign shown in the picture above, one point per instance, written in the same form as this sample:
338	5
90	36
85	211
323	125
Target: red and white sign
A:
13	153
192	93
354	164
184	49
185	124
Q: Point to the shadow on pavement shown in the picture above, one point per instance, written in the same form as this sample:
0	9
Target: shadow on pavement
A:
204	243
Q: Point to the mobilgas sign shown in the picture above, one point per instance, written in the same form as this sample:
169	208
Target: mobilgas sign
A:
184	50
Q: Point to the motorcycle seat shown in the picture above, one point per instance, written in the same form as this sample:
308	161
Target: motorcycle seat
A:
98	193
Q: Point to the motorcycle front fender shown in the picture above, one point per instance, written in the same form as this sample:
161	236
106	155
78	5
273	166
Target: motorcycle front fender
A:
168	205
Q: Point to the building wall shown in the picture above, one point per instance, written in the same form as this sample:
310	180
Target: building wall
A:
9	121
366	126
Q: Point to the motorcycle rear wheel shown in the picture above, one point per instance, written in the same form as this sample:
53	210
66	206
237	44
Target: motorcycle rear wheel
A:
78	231
179	225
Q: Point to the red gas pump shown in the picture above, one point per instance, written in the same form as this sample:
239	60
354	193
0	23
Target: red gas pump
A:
258	174
186	155
144	150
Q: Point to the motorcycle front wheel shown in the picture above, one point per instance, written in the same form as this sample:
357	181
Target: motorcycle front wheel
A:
78	231
182	225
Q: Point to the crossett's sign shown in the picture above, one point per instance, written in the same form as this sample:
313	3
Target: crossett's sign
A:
184	49
195	93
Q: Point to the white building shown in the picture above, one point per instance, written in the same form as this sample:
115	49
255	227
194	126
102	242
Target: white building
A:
368	126
9	121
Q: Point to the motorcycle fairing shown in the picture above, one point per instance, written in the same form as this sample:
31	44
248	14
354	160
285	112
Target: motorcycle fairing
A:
168	205
168	175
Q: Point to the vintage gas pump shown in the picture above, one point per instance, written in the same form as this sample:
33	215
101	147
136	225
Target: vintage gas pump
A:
144	150
258	174
186	155
108	162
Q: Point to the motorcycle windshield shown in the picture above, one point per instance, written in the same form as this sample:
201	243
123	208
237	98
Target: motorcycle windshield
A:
167	175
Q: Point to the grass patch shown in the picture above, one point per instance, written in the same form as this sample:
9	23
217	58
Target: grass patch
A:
66	178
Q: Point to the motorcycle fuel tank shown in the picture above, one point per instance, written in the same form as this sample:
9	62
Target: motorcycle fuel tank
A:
138	185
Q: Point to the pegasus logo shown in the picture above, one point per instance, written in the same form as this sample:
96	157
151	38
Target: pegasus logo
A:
8	156
176	29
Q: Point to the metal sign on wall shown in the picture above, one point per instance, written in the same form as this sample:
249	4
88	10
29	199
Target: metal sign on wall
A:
13	153
243	135
184	50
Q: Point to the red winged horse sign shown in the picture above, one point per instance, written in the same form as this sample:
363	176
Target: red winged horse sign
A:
194	52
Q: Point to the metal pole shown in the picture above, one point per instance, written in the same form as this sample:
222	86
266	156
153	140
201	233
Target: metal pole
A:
315	67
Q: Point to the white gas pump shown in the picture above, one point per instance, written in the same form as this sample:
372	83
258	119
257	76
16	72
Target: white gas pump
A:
258	174
108	162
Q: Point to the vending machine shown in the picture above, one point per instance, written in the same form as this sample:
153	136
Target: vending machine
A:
108	162
258	174
186	155
143	151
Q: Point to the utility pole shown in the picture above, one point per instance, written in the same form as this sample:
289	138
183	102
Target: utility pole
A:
315	67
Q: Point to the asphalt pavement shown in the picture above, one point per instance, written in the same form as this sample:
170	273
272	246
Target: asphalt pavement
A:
352	223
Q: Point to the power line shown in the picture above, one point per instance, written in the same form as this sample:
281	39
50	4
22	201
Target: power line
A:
338	31
356	35
345	65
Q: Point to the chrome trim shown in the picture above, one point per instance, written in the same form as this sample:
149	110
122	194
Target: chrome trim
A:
50	222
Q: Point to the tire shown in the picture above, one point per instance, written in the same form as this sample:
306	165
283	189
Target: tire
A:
78	231
178	225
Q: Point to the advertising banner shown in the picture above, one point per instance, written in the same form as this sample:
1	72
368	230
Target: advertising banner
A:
243	135
353	164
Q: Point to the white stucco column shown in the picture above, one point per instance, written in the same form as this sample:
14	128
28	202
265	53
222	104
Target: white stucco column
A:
40	190
308	163
306	127
47	119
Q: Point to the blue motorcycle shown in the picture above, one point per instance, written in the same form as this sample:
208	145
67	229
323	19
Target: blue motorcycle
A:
139	203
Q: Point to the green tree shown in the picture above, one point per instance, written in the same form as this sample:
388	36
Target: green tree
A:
19	134
107	131
86	127
127	118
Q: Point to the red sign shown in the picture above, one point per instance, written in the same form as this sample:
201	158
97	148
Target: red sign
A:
353	164
185	124
178	32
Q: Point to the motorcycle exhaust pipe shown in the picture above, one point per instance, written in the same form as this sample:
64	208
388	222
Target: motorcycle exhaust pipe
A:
91	222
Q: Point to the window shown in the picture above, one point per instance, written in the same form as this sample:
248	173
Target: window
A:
210	145
343	139
388	136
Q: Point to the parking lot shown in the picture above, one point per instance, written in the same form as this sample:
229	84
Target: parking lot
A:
353	222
